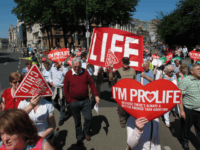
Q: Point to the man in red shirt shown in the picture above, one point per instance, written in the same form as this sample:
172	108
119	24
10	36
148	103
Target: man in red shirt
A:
76	93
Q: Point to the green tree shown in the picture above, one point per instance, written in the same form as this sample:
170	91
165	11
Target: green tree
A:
110	11
184	19
66	14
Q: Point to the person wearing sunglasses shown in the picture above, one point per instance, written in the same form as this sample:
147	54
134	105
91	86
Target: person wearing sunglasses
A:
171	76
8	100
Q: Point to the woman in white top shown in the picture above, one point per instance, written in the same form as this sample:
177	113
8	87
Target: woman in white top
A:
185	51
41	112
143	135
180	50
46	71
169	75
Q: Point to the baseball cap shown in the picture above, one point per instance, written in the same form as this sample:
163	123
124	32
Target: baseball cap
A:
43	59
125	60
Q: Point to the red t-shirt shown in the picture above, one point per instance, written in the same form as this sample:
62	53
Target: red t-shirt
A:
10	101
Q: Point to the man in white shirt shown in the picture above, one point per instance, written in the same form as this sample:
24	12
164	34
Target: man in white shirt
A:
56	78
185	51
176	66
89	68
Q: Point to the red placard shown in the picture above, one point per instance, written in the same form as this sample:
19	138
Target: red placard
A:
33	83
169	57
78	53
155	56
194	55
70	61
60	55
146	50
120	43
150	101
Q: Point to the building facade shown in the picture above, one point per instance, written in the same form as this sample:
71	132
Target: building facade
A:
4	43
34	36
11	34
153	30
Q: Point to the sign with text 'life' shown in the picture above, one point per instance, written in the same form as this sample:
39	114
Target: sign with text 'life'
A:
111	45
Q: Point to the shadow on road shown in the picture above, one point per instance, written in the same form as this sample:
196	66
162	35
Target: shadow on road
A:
7	59
60	140
4	54
96	124
75	147
177	134
106	95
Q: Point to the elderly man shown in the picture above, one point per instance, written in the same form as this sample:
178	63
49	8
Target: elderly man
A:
76	93
56	78
147	75
124	72
90	69
190	105
176	66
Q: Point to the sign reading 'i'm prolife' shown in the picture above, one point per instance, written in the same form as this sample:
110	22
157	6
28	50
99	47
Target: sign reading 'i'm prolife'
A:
150	101
111	45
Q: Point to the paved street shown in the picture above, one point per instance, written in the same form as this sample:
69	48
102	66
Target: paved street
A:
106	131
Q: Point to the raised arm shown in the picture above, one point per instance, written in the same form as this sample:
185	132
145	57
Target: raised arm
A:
22	58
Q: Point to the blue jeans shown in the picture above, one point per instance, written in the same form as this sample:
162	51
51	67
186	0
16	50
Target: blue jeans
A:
76	107
62	104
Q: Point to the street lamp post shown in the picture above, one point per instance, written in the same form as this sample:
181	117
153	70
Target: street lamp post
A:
87	27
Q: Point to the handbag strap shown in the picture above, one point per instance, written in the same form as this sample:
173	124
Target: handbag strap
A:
151	134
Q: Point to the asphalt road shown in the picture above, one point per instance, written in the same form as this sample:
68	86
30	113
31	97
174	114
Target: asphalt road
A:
106	131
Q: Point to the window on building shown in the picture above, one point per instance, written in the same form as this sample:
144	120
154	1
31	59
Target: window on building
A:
57	42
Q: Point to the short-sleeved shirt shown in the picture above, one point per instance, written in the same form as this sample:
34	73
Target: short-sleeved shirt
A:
24	71
10	101
185	50
176	69
121	73
145	81
40	118
191	92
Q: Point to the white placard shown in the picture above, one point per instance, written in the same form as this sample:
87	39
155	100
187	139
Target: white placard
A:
96	108
156	62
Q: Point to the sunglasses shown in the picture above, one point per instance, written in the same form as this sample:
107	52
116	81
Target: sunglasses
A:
171	71
15	82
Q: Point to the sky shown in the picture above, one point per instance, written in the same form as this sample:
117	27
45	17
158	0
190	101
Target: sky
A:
145	10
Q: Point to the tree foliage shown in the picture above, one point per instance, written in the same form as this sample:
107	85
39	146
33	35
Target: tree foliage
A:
67	13
185	18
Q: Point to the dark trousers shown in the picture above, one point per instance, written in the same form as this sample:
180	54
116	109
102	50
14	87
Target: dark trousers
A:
192	118
76	107
62	104
123	115
97	83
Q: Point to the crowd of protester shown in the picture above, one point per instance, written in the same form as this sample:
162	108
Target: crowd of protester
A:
79	85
